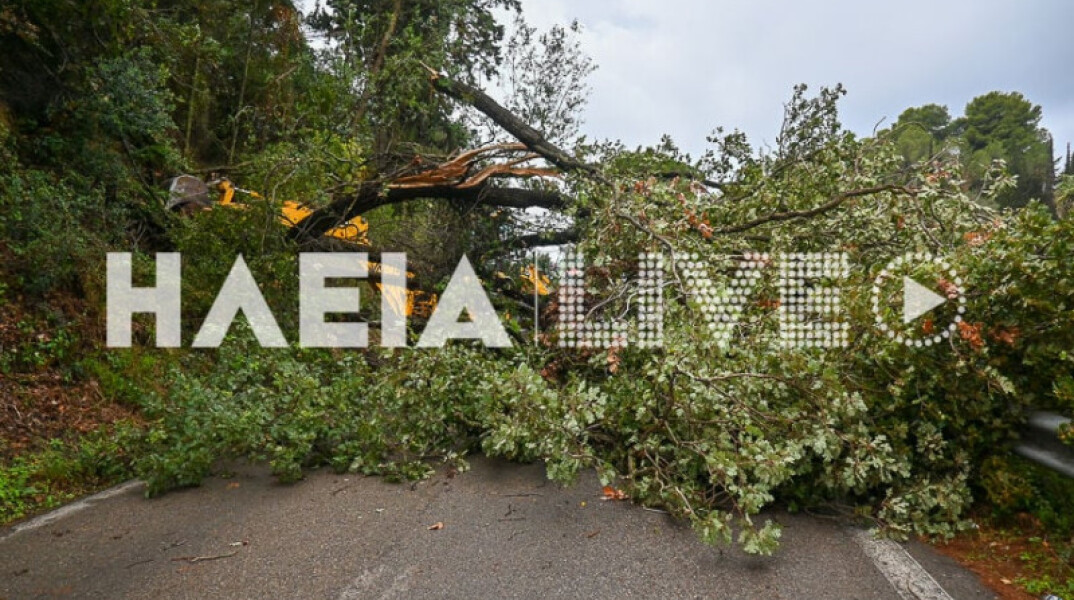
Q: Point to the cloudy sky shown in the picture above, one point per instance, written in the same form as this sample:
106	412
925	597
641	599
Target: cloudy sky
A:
684	66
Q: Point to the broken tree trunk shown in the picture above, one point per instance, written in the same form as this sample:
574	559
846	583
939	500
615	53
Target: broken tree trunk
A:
467	177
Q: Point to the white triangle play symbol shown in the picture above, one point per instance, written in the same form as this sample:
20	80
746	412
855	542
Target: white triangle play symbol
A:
917	300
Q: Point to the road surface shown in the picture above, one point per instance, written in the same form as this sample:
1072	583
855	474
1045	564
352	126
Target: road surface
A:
507	533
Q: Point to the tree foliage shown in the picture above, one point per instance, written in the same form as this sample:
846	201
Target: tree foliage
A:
996	127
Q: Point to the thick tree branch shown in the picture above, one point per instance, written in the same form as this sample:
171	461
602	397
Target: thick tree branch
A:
518	128
372	195
515	198
466	176
812	212
367	198
530	240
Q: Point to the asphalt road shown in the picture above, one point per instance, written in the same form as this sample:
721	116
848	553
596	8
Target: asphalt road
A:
507	533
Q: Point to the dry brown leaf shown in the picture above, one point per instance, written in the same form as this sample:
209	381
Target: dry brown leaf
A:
611	493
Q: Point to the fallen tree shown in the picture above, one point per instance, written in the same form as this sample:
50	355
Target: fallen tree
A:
712	429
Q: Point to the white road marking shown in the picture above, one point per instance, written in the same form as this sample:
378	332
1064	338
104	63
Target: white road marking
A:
368	580
362	584
906	575
70	509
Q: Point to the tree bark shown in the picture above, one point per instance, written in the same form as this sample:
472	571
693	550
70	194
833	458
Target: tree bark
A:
372	195
518	128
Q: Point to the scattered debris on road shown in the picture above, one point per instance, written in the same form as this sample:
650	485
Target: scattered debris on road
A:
611	493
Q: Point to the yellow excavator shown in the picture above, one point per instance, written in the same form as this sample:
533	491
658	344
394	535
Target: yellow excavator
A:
188	193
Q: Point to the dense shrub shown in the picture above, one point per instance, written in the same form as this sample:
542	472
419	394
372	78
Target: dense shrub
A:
376	413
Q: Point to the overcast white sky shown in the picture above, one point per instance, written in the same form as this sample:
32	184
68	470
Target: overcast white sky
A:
684	66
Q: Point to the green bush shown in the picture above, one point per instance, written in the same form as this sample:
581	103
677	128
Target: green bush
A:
381	412
16	491
64	470
211	240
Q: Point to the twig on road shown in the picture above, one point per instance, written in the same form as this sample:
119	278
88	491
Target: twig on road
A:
197	559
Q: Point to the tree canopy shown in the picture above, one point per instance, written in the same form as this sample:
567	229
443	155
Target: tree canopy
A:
996	126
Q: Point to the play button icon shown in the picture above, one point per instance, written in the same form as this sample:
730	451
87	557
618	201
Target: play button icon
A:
917	300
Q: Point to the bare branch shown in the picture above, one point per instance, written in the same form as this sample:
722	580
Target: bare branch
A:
818	210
